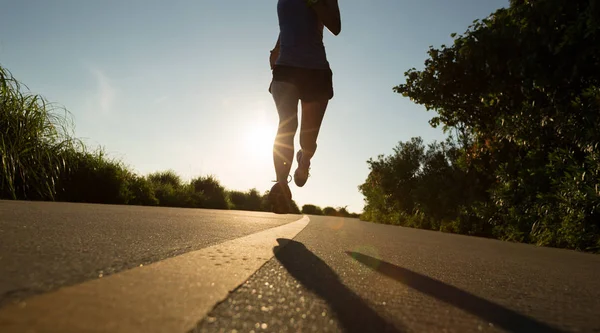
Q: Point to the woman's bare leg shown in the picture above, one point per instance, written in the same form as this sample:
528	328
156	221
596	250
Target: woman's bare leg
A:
286	98
312	118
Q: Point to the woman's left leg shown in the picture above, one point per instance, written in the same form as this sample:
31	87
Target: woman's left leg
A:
312	118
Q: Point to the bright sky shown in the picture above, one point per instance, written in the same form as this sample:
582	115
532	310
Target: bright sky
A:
182	84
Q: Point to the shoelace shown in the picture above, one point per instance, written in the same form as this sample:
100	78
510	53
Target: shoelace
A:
289	179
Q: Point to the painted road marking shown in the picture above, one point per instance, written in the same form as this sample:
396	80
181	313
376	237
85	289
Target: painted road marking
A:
166	296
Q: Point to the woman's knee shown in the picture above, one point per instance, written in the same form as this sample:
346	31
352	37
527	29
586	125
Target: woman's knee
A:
287	126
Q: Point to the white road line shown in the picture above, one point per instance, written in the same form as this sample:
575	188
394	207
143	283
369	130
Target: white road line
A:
167	296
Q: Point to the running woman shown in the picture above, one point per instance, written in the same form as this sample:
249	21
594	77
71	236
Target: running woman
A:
301	72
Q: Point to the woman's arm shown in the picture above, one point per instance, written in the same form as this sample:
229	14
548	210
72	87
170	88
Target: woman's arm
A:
329	13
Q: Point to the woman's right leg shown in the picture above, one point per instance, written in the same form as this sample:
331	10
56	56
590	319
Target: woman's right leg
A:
286	97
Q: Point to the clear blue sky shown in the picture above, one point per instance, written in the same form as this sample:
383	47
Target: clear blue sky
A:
182	84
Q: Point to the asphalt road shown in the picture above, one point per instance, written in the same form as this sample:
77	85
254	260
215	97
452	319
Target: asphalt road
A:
336	275
44	246
345	275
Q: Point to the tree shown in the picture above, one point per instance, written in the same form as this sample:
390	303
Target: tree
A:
521	91
418	186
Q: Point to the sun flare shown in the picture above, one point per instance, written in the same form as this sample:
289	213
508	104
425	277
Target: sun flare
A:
259	140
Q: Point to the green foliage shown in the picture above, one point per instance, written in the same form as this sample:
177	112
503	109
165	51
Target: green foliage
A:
343	212
170	191
93	178
34	137
519	92
141	192
312	210
169	178
250	200
329	211
212	191
423	187
339	212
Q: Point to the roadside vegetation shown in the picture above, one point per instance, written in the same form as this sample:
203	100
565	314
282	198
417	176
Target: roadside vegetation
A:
519	96
41	159
328	211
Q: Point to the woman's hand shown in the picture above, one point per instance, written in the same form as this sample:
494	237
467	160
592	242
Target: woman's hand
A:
328	12
274	53
273	57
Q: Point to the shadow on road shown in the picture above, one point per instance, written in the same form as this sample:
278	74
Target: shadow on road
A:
486	310
352	312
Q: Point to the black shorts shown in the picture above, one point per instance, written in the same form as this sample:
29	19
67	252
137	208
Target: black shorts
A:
313	84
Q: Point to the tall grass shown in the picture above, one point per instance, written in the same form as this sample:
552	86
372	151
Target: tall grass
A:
35	137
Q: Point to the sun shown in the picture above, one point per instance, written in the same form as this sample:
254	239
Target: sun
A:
258	140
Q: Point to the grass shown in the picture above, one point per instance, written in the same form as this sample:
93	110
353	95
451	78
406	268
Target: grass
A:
35	142
42	160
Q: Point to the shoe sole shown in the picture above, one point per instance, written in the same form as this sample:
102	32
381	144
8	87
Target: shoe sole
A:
298	183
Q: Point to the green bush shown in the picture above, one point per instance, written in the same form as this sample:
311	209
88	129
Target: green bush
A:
141	192
213	194
312	210
168	177
93	178
330	211
251	200
339	212
170	191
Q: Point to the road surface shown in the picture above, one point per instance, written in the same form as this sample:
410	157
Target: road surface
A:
72	267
